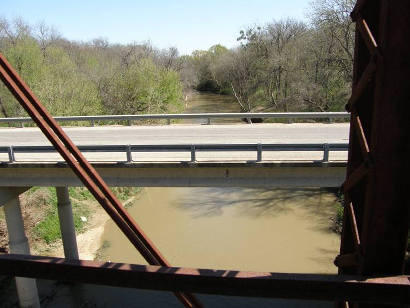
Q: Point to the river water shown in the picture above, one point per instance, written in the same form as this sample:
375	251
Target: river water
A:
211	103
278	230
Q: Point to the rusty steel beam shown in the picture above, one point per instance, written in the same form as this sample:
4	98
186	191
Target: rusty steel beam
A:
360	124
386	208
376	216
83	169
389	290
377	208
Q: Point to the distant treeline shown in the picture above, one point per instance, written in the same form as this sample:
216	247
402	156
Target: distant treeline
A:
285	65
91	78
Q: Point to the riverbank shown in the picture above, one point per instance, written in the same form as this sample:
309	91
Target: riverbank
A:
88	241
42	227
39	210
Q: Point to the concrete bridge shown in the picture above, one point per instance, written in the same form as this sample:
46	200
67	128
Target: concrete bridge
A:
224	174
259	155
260	164
187	134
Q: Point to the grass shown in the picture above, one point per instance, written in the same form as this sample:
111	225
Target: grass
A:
339	216
48	229
337	219
125	193
80	193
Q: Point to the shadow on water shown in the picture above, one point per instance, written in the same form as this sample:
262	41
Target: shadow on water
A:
223	221
227	220
261	203
324	255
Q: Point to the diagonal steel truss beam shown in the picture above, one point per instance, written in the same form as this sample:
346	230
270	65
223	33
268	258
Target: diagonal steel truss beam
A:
83	169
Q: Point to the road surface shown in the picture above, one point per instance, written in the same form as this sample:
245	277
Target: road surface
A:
189	134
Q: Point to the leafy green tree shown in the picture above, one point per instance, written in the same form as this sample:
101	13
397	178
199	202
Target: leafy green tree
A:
206	65
141	88
72	78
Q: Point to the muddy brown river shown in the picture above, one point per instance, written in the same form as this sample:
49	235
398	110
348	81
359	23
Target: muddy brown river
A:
210	103
278	230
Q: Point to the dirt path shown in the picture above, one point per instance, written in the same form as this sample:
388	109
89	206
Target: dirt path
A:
89	241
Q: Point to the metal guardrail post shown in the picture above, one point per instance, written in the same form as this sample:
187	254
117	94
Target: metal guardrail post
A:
325	152
193	156
129	154
129	123
11	154
208	121
169	121
92	123
259	155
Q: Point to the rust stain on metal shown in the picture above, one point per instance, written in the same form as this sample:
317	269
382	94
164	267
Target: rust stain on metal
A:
355	177
387	290
375	224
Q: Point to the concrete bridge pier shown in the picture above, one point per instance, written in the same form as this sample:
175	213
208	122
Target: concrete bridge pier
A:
66	218
18	242
65	215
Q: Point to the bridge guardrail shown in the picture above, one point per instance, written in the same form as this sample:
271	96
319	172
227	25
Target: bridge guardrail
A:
192	148
130	118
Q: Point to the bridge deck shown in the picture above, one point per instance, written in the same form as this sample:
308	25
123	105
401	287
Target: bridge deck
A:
227	174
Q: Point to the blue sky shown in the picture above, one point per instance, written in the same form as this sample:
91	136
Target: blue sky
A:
187	25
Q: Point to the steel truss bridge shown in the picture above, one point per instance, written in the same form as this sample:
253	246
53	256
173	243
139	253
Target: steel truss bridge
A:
375	226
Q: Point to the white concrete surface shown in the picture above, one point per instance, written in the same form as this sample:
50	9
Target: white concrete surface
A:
187	134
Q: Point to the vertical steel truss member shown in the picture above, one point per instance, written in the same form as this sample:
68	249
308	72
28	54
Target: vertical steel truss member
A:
87	174
375	225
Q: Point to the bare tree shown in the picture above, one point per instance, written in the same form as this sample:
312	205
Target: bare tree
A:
333	17
46	36
3	109
276	58
242	75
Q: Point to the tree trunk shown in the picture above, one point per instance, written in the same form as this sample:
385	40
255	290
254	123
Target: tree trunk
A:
3	110
237	98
